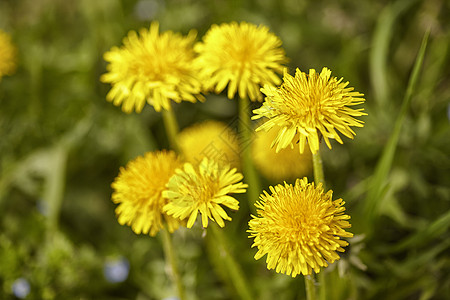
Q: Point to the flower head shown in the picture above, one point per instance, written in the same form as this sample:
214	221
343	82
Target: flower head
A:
154	68
138	191
203	188
243	56
8	55
311	105
211	139
282	165
299	228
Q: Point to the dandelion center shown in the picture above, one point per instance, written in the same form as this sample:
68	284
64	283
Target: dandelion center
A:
203	189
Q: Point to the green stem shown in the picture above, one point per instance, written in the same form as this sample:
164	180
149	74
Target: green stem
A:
172	129
318	169
171	125
233	268
319	178
169	252
250	174
54	186
322	280
310	287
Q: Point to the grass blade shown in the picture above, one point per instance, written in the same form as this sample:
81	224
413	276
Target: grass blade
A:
380	47
378	182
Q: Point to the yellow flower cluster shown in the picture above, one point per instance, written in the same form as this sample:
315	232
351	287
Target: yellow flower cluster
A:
299	227
158	189
156	68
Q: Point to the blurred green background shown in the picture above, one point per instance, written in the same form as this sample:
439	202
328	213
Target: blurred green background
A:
62	144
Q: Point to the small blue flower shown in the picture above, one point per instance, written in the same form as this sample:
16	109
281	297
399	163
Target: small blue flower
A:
42	207
116	270
146	10
21	288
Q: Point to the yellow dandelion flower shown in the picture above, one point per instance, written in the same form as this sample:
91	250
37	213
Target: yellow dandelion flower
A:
299	228
152	68
138	191
8	55
282	165
314	106
243	56
203	188
211	139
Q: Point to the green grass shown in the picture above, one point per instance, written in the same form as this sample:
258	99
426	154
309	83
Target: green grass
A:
62	145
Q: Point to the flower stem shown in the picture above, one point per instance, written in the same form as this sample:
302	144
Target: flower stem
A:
319	178
55	184
310	287
172	129
233	268
318	169
171	125
250	174
169	252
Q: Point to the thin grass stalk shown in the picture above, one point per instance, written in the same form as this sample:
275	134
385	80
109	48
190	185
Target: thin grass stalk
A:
379	53
169	252
377	186
250	174
234	269
424	235
54	187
